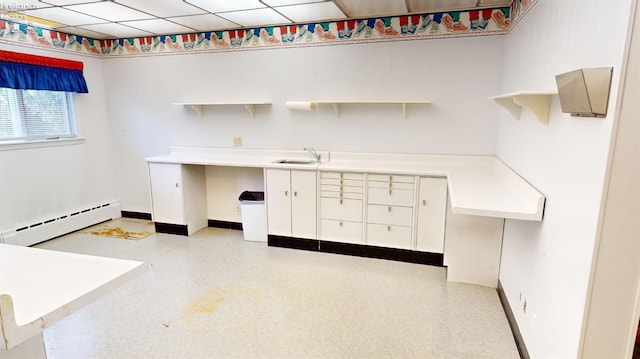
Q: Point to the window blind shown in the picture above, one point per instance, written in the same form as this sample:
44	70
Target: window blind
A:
35	115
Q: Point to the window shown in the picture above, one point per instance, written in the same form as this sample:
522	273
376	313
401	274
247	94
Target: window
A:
31	115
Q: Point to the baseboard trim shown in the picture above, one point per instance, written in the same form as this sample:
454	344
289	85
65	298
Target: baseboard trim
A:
225	224
292	243
136	215
168	228
359	250
522	348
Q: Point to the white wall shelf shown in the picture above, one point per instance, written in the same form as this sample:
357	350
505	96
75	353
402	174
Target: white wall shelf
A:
198	106
310	105
536	102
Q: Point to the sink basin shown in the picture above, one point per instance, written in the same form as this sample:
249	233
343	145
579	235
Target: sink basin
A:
295	162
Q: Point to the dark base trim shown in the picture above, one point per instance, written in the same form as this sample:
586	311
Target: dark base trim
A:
360	250
522	348
137	215
224	224
293	243
168	228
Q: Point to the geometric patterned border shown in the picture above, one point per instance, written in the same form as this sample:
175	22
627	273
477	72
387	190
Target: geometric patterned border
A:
486	22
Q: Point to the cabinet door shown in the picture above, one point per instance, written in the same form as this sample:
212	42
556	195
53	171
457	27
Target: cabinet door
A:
278	191
166	193
303	204
432	209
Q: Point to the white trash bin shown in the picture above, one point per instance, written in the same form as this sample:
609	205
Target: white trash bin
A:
254	216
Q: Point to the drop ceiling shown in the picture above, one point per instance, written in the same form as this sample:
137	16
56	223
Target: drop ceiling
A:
105	19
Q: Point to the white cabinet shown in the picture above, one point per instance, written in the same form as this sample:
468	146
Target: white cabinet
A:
390	208
178	195
291	203
341	196
432	209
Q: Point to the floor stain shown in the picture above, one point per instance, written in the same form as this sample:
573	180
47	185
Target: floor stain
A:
118	232
216	304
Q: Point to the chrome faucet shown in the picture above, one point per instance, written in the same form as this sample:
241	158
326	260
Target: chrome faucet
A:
313	153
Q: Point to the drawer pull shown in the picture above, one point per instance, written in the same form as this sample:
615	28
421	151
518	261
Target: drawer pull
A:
389	209
295	193
388	228
424	202
177	184
340	200
286	193
390	191
340	223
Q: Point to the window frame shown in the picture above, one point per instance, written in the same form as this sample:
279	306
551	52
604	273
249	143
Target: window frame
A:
19	120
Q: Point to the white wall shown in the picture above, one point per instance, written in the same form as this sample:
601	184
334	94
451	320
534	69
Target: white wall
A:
456	74
548	264
38	183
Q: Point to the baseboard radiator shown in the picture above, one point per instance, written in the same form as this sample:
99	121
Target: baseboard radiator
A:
56	226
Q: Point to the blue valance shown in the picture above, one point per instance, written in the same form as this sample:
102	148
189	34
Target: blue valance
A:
30	72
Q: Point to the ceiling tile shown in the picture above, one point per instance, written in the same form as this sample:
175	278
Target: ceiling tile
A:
204	22
255	17
110	11
117	30
359	8
289	2
83	32
158	26
225	5
311	12
440	5
163	8
64	16
68	2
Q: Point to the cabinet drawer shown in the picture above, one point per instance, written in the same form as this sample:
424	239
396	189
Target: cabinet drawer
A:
389	236
334	194
343	188
401	216
340	231
346	210
391	178
392	185
342	182
394	197
342	175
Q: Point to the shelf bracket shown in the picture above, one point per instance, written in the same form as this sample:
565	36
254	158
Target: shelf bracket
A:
509	105
538	104
251	108
404	110
197	109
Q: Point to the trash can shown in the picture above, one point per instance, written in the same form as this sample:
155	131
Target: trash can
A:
254	216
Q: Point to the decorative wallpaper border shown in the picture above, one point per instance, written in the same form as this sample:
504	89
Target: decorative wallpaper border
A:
485	22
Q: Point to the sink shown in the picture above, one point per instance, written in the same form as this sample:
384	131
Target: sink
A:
295	162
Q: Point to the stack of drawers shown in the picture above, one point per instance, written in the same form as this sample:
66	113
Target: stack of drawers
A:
341	196
390	210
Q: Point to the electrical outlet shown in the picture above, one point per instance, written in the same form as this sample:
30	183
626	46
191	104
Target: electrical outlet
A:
237	141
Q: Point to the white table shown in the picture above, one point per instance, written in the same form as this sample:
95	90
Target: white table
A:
39	287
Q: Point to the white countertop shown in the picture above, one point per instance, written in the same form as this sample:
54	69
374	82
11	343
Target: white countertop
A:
39	287
478	185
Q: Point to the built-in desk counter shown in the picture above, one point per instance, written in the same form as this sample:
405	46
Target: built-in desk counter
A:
39	287
478	185
482	193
